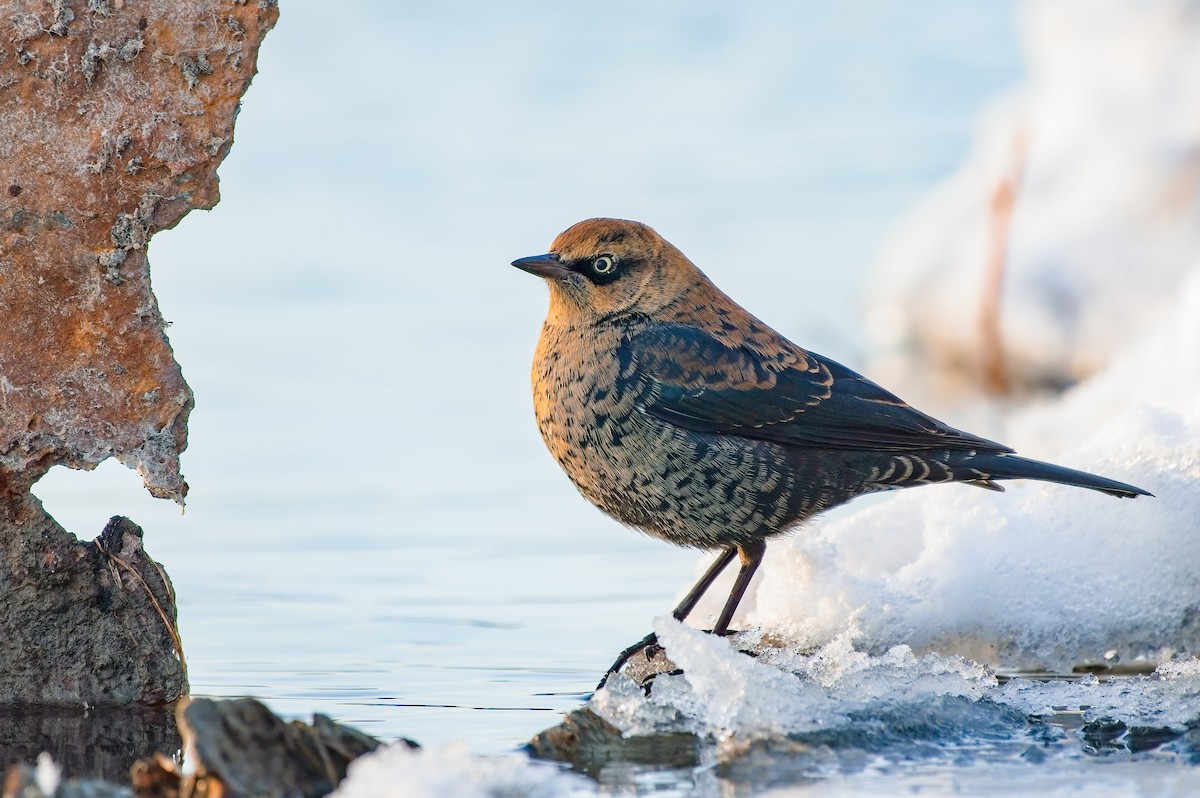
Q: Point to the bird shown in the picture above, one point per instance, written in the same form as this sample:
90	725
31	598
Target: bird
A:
677	412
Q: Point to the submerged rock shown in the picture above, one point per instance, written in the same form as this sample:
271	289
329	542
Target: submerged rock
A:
587	742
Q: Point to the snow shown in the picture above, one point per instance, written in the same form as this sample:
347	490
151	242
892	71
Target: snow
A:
47	775
451	771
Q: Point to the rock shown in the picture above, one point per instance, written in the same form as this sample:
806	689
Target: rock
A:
239	748
589	744
113	119
85	623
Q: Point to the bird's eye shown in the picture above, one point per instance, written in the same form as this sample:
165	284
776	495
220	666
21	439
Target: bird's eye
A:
605	264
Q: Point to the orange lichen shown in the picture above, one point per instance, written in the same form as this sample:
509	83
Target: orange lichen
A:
111	128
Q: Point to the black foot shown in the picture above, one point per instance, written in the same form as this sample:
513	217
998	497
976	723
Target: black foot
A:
648	644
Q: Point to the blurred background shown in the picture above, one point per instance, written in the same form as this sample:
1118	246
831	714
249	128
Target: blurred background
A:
374	529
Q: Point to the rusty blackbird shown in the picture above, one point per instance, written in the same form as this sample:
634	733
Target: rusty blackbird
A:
677	412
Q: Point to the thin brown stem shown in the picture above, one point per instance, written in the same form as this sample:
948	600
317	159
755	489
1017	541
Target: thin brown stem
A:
993	368
172	628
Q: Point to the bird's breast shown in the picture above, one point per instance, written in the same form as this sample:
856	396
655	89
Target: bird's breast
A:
690	488
586	409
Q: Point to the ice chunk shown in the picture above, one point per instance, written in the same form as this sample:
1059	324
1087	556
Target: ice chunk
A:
779	691
47	774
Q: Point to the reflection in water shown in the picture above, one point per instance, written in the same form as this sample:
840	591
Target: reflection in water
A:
97	743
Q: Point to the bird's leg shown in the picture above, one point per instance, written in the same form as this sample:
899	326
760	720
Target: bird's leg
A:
751	555
693	597
679	613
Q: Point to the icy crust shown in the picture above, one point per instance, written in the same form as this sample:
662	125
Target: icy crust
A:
895	705
778	691
1167	699
451	771
1050	780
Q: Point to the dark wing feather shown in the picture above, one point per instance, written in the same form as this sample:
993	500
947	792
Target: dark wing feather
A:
794	397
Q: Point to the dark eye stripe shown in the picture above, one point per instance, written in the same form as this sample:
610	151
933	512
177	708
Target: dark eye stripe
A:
587	267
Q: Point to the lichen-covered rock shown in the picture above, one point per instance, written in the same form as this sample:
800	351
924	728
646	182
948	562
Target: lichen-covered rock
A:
113	118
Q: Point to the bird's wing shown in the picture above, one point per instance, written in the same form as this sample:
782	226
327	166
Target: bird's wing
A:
695	381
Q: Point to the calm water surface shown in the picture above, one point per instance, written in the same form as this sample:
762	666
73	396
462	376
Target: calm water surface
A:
374	529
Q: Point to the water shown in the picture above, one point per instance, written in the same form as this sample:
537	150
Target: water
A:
374	529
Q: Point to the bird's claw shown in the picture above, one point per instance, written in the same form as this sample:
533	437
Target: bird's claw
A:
648	644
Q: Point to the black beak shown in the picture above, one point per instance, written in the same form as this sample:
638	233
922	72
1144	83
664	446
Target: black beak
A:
548	266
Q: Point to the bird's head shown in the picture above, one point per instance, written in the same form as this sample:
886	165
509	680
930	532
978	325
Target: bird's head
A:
605	267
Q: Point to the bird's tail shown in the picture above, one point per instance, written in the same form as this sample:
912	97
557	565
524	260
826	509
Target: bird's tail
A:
998	465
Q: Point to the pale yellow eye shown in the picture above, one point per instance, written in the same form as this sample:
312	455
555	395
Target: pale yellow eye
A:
605	264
